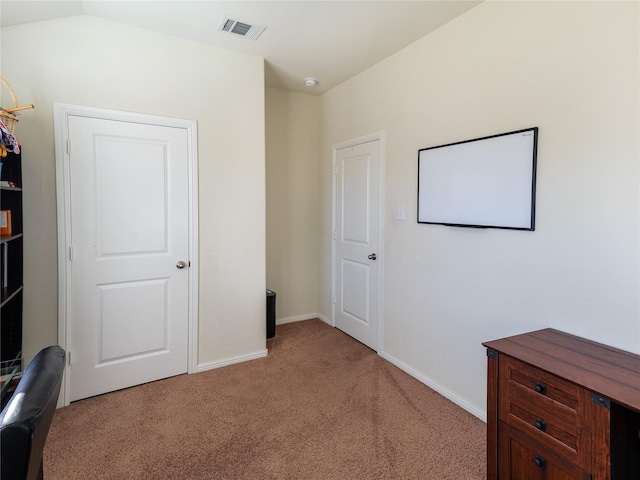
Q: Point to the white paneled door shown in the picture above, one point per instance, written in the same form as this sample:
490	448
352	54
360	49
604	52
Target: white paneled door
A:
357	255
129	285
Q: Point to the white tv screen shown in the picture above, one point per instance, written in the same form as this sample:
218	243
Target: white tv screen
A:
487	182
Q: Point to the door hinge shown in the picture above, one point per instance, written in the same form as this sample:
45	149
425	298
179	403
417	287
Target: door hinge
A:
335	169
71	252
68	146
69	357
335	234
334	299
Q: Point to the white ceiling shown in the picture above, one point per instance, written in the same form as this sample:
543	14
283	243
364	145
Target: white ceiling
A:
329	40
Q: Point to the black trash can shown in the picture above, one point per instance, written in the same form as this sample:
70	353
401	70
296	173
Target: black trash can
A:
271	313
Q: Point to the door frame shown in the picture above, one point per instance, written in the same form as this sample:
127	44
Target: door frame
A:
62	112
338	146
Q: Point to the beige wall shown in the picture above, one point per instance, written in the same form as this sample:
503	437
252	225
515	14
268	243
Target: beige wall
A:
293	205
569	68
88	61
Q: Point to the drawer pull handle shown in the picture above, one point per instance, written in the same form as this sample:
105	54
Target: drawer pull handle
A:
541	424
541	388
539	461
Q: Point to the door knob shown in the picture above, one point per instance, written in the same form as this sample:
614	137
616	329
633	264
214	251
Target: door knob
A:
181	264
373	256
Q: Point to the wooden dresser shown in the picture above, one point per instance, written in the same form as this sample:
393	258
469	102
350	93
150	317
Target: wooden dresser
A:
561	407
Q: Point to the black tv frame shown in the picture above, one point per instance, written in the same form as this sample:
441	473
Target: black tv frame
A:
533	153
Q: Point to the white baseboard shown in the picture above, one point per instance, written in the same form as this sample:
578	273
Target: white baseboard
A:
297	318
301	318
203	367
473	410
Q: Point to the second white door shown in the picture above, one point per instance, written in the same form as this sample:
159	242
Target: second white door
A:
130	254
357	255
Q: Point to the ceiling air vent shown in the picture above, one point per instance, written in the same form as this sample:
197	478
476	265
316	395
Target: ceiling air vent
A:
246	30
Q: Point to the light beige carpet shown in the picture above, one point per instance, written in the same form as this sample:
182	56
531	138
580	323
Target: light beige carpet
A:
320	406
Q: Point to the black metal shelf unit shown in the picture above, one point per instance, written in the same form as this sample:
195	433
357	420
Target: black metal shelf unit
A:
11	259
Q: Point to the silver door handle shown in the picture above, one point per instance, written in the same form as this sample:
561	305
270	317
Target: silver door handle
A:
181	264
373	256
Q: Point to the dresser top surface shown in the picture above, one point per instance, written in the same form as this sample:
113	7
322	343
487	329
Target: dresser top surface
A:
605	370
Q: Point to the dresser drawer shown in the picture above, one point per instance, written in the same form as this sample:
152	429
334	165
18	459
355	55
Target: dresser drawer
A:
524	459
542	406
539	382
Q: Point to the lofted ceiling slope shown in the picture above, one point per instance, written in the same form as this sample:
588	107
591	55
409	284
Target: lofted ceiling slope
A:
329	40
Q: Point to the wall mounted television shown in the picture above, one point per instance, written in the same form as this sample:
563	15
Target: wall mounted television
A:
487	182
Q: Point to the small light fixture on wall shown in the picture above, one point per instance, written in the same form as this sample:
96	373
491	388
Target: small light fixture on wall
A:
310	82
